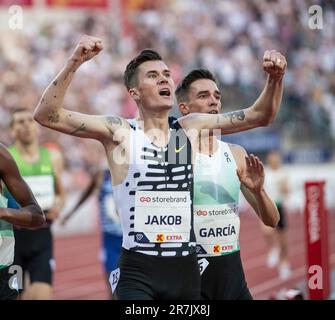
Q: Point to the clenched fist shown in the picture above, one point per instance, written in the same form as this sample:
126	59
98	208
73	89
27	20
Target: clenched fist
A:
274	63
87	48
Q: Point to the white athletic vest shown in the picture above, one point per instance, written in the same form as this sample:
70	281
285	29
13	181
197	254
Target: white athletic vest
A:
155	200
216	197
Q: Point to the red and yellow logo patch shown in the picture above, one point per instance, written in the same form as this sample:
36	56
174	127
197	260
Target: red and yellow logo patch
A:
216	249
160	237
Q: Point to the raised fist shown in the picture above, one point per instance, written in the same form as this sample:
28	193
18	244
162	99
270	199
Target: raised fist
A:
274	63
87	48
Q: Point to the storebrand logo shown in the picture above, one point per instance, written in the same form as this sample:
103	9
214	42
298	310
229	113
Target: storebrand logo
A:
202	213
145	199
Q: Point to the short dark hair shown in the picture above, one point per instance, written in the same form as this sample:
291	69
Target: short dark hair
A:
196	74
130	74
17	110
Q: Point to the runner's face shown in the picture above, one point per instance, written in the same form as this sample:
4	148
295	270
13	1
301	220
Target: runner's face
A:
24	128
204	97
155	85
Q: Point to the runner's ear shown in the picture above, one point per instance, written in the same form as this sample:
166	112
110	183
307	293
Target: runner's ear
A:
183	108
134	93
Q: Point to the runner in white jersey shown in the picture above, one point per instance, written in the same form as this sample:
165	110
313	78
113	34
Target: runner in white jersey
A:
221	170
151	168
30	215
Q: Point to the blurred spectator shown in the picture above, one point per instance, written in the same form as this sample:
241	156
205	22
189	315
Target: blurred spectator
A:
228	37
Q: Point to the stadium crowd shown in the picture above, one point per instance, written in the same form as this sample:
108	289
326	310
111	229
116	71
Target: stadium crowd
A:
228	37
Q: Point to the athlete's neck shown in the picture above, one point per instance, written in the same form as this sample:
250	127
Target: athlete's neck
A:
29	152
156	127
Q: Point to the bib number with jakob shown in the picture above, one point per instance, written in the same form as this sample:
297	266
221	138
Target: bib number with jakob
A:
162	216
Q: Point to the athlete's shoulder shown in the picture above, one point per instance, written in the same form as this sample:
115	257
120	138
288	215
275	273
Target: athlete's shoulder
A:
238	153
236	149
6	158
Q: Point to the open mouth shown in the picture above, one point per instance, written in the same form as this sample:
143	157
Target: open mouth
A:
165	92
213	112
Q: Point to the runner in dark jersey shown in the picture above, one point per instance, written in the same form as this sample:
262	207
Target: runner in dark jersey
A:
29	215
153	195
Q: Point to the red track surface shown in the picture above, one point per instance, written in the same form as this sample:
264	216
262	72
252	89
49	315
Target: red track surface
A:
79	274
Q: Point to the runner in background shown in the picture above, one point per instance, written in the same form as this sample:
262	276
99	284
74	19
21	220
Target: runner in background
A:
41	169
109	219
276	183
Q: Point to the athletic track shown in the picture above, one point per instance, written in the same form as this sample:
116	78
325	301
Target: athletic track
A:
79	274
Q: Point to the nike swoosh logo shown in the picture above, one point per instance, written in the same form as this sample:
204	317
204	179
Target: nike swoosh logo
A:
178	150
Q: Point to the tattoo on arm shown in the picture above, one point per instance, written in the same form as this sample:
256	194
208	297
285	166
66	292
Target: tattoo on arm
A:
53	117
114	120
55	83
81	128
239	115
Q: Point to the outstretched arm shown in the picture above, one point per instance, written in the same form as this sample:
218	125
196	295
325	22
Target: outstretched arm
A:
261	113
252	186
30	215
50	113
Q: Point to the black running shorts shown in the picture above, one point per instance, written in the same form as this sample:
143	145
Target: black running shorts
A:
34	253
223	279
282	224
146	277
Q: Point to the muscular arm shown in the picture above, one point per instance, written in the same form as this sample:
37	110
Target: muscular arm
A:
30	215
261	113
263	206
50	113
95	182
251	174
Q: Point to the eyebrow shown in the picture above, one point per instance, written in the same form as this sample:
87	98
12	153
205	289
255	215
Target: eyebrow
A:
155	71
207	91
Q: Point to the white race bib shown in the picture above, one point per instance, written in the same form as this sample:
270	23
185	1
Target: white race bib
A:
43	189
162	216
114	278
217	228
